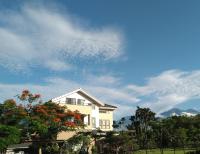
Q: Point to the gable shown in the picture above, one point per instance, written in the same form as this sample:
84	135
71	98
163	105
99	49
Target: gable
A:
76	95
81	94
90	99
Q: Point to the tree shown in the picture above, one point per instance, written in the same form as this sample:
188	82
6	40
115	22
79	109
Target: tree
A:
131	126
194	137
142	120
45	120
53	119
181	135
8	135
120	143
115	124
11	114
36	120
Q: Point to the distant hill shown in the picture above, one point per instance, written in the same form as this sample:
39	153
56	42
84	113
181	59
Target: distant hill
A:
179	112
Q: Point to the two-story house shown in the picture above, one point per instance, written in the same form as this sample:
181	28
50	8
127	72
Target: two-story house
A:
96	113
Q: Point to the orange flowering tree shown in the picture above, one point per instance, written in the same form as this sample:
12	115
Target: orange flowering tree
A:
37	120
53	118
45	120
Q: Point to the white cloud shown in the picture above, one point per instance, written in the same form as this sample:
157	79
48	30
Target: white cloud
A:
42	37
165	102
160	93
168	89
58	65
54	87
107	79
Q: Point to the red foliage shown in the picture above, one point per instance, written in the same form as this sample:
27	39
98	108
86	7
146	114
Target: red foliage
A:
37	96
42	118
69	124
70	113
56	120
25	92
41	109
27	96
61	115
49	113
77	116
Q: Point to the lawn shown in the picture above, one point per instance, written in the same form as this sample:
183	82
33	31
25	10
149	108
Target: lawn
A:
166	151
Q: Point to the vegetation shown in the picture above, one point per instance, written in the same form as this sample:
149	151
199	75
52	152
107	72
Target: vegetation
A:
8	135
120	143
31	120
175	133
166	151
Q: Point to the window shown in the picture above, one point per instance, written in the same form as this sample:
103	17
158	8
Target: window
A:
107	124
71	101
104	124
100	123
93	122
80	102
93	106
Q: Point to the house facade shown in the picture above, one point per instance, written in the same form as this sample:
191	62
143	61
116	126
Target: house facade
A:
96	114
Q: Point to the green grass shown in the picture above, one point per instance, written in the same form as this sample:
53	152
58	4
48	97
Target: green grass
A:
166	151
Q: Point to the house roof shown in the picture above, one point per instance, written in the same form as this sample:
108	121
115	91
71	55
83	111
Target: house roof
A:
107	105
87	95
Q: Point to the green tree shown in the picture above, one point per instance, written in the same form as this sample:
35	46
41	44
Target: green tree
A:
121	143
8	135
181	134
143	118
11	114
115	124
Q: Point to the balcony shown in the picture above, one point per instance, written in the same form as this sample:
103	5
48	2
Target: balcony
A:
84	109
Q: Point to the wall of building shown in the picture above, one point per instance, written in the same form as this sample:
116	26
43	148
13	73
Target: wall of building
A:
95	114
73	95
107	116
86	109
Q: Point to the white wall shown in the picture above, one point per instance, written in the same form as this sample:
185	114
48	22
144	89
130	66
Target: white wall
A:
95	113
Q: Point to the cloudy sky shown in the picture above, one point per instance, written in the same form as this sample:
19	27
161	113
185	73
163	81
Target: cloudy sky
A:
134	53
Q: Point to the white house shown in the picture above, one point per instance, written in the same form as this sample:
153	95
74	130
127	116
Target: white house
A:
96	113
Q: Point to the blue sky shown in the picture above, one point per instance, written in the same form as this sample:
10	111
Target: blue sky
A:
125	53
